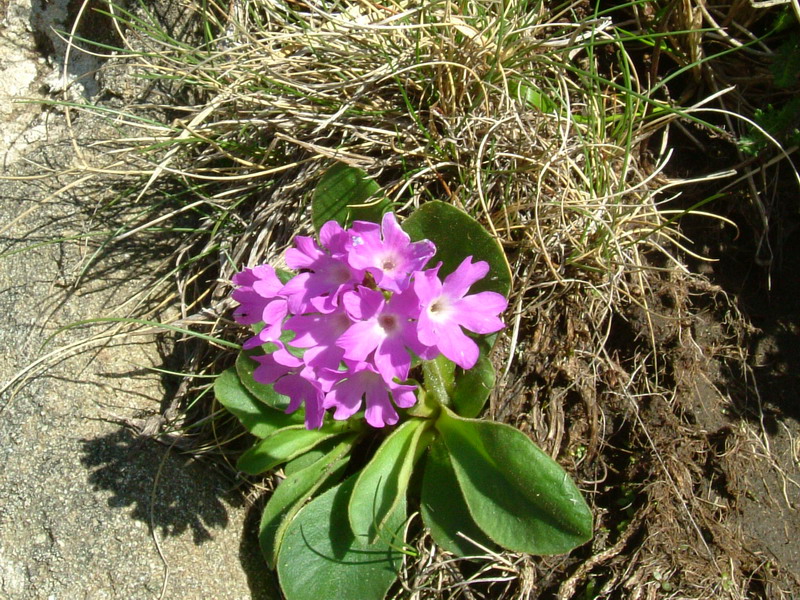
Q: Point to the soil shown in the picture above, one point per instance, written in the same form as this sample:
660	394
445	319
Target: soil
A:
695	482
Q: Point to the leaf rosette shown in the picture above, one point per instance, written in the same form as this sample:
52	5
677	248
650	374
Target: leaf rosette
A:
366	345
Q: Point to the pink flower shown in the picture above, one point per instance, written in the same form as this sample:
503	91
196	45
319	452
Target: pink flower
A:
289	377
259	302
363	381
445	309
382	330
319	333
359	309
303	388
323	281
389	259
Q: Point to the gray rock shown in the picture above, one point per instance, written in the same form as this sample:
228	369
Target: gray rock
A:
87	509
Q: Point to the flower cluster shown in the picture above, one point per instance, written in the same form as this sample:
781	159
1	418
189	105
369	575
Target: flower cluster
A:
360	306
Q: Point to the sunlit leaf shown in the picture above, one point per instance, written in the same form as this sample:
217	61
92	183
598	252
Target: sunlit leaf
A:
457	235
346	194
444	510
520	497
281	446
258	418
321	558
380	489
290	496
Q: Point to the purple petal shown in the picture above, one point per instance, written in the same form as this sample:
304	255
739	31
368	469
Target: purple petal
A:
393	236
253	342
478	312
426	329
317	329
248	312
380	411
268	371
305	253
360	230
296	291
363	303
268	286
345	397
323	357
419	254
360	339
405	304
283	357
328	378
303	390
455	345
427	285
392	359
459	281
246	277
403	395
273	314
334	237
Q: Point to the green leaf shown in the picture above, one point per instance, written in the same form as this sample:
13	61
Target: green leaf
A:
343	195
310	457
284	275
444	510
292	494
786	63
517	494
380	489
283	445
321	558
472	388
439	378
457	235
531	96
245	367
258	418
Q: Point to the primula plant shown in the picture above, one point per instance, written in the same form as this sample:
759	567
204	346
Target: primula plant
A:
366	369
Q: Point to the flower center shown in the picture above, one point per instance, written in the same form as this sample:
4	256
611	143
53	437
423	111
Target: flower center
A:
439	309
388	264
388	323
339	274
340	323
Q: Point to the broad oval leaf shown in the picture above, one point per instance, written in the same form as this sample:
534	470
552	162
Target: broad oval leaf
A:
321	558
344	194
245	366
281	446
472	388
258	418
457	235
520	497
443	508
290	496
380	489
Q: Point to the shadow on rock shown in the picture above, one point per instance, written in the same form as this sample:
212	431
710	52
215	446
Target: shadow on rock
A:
163	490
262	581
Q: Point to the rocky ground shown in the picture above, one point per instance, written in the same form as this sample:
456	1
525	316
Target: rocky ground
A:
86	509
